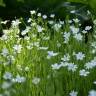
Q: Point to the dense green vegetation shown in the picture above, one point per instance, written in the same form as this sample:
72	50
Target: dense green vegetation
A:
54	57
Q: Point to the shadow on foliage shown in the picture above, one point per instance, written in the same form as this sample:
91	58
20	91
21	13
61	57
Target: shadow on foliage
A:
61	9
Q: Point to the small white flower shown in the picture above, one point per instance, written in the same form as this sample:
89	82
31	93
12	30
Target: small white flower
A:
73	93
7	76
61	22
43	48
39	29
72	67
15	23
36	80
80	56
76	20
69	21
52	15
26	38
32	12
78	37
88	28
51	22
24	32
94	82
39	14
20	79
83	72
51	54
91	64
74	29
66	37
6	32
29	20
44	16
92	93
64	64
84	31
94	21
6	85
5	52
66	58
93	44
73	11
17	48
55	66
4	37
57	26
4	22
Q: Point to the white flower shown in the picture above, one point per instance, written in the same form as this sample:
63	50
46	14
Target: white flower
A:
61	22
66	58
84	31
43	48
6	32
24	32
57	26
66	37
73	11
93	44
7	76
74	29
92	93
52	15
39	14
72	67
80	56
33	24
5	52
39	28
73	93
51	22
76	20
64	64
55	66
83	72
29	20
36	80
44	16
94	21
69	21
51	54
91	64
88	28
4	22
4	37
26	38
20	79
32	12
15	23
17	48
94	82
11	58
78	37
6	85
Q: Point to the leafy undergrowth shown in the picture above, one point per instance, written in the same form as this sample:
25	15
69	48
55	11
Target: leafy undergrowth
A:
51	60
